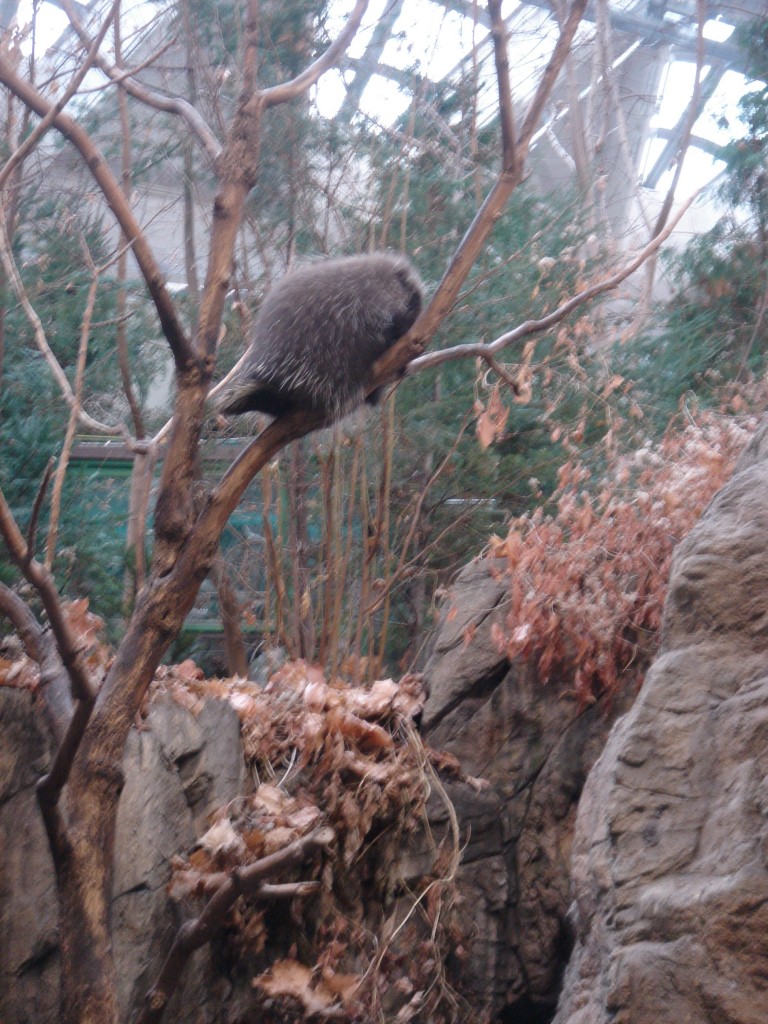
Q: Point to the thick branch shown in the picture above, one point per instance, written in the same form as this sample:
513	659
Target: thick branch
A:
237	168
194	934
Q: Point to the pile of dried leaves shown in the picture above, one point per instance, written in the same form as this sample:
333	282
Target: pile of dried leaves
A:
373	939
587	585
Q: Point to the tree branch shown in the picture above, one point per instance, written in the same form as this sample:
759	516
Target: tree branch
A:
23	151
416	340
36	508
548	79
72	660
298	86
196	933
173	331
71	654
40	646
501	58
13	276
121	77
484	351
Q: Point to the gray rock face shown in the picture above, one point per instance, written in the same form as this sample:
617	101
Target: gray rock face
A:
534	746
670	862
178	769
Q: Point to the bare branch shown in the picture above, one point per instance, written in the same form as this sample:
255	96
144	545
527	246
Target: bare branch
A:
693	114
299	85
71	659
43	582
501	372
432	359
12	273
548	79
23	151
69	437
40	646
50	786
610	64
35	517
194	934
93	158
169	105
415	341
501	57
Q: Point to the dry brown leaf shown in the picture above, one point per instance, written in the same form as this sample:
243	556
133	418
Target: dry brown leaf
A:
271	799
303	819
377	771
375	702
315	694
442	761
222	838
366	734
188	670
342	985
290	978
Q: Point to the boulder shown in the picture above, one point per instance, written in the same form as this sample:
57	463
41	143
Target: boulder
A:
670	860
531	746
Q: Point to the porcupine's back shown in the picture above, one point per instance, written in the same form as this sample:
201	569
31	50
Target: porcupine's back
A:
319	331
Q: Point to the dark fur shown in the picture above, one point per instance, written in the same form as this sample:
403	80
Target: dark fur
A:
319	331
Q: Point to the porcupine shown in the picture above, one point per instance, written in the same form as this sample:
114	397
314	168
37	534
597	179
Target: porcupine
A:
318	333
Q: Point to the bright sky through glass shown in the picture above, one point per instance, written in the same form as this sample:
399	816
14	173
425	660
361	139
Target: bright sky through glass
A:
432	41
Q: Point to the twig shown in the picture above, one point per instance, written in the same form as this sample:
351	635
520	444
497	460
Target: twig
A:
170	105
23	151
34	518
501	372
193	934
431	359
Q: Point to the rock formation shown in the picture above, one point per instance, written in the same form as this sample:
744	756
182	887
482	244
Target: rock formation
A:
533	745
178	769
670	861
631	885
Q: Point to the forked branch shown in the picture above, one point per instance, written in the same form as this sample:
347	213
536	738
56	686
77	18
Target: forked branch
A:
118	203
510	176
240	882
